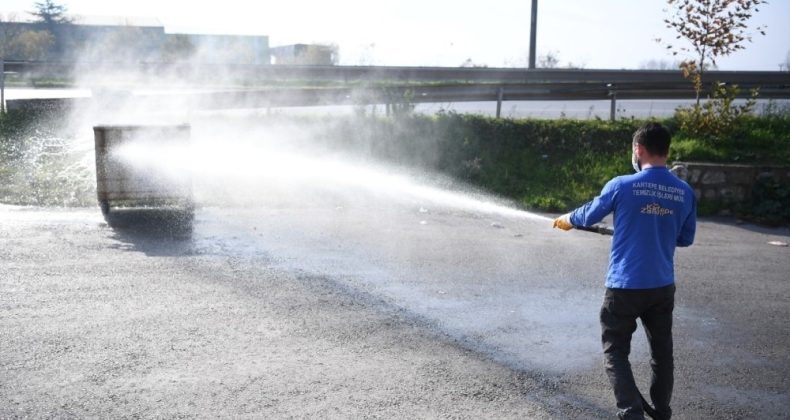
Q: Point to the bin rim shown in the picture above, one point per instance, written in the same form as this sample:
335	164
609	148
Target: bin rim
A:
138	126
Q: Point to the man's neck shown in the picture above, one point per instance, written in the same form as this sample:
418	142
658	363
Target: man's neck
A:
654	162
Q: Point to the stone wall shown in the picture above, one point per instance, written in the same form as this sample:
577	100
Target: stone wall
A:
727	183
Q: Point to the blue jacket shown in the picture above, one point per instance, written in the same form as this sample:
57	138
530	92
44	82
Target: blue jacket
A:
654	211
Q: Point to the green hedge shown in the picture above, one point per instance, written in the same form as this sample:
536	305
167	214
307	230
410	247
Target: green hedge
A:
549	165
554	165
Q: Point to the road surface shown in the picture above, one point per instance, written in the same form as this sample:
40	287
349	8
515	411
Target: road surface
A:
357	309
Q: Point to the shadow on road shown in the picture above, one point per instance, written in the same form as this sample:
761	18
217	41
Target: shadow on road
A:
155	232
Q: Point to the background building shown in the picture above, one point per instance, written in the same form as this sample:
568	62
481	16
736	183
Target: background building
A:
218	49
121	39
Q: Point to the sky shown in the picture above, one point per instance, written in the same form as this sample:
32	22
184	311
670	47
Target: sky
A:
600	34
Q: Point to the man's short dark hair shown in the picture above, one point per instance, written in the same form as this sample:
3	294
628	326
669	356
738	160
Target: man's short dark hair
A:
654	137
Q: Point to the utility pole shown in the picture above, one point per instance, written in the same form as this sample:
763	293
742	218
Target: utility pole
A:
2	85
533	30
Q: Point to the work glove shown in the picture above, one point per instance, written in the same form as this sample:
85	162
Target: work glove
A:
563	222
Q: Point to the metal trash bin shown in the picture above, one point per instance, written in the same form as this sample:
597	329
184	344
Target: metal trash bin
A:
126	184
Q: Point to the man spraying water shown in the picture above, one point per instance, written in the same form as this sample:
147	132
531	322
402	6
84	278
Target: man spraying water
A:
654	212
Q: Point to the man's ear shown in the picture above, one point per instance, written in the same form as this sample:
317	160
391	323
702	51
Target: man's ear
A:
641	151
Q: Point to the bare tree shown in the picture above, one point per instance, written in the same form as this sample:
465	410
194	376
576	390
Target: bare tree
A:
469	63
550	60
713	28
654	64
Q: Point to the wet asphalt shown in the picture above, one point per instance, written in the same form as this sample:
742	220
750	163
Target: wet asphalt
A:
348	309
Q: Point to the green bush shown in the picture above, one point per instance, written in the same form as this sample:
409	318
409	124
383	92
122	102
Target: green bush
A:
695	150
718	118
551	165
37	163
770	203
548	165
545	164
757	140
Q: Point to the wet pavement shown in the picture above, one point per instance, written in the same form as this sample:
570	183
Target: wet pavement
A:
365	309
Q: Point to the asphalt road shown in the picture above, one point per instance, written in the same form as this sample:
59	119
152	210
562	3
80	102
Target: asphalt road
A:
358	309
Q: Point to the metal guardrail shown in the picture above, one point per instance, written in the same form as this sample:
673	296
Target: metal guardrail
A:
378	84
403	74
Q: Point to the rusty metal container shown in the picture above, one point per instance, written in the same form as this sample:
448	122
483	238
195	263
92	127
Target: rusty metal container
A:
132	170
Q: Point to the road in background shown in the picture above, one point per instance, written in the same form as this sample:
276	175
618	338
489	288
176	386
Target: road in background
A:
578	109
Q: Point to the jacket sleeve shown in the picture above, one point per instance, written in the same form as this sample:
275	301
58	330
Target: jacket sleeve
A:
689	228
595	210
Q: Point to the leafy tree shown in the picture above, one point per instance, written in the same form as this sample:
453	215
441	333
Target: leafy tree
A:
50	17
713	28
50	13
31	45
19	43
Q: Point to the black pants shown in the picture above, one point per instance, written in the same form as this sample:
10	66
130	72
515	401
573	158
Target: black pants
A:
621	308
